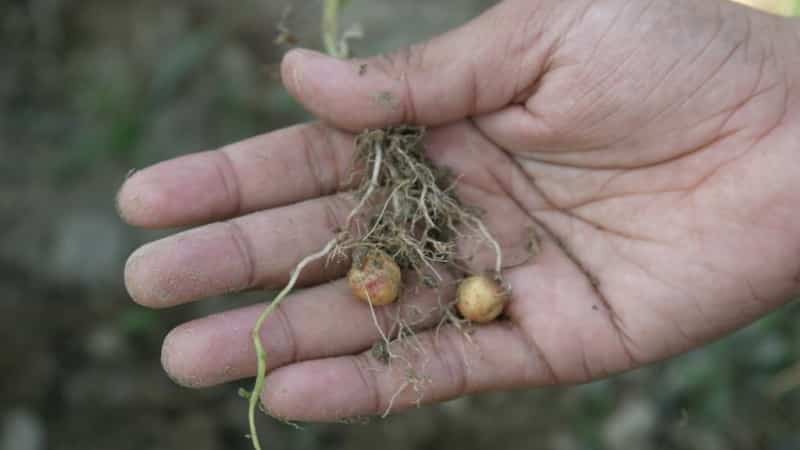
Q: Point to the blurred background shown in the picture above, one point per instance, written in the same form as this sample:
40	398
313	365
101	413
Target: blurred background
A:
90	89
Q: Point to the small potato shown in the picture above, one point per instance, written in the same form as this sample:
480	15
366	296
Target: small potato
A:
480	298
375	277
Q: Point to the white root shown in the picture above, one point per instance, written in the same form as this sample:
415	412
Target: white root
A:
373	183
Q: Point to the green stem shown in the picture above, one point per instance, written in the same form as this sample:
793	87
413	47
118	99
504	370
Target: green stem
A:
330	37
261	354
330	27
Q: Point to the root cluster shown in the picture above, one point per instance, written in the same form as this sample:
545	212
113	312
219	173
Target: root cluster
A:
407	207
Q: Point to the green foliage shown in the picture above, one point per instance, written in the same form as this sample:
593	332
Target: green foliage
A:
139	321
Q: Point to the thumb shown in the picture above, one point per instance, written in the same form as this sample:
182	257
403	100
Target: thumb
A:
477	68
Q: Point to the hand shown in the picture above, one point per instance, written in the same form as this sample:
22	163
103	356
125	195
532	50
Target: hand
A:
653	145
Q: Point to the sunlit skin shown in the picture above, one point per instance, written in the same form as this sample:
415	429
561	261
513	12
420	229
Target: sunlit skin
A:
654	146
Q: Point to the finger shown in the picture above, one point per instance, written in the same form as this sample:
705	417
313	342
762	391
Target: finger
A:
560	332
443	365
477	68
315	323
256	250
274	169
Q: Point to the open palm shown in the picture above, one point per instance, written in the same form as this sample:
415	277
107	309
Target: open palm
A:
652	146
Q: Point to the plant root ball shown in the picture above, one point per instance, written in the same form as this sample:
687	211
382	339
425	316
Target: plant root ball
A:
480	298
375	277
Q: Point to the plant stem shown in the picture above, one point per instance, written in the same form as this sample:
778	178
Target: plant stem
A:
256	335
330	37
330	27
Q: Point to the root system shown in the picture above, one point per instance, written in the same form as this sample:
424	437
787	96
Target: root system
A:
406	207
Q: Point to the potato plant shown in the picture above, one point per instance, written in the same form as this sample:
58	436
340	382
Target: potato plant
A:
407	220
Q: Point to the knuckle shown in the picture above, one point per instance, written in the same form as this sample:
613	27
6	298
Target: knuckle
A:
293	353
229	180
242	243
404	66
368	378
445	347
321	161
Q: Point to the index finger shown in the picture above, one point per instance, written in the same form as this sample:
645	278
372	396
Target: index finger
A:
274	169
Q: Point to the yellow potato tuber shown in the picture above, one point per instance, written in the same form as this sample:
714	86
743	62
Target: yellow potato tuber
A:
375	277
480	298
